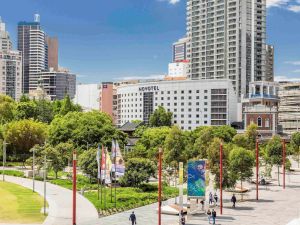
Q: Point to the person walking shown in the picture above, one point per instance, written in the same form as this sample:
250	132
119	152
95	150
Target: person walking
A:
132	218
233	200
208	213
210	198
202	204
216	198
182	218
214	215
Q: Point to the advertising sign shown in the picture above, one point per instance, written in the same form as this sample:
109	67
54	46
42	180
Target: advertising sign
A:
180	173
196	178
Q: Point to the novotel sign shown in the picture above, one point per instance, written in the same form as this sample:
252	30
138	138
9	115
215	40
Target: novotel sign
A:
149	88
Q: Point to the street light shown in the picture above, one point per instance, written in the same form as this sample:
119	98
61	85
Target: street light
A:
4	159
45	178
33	156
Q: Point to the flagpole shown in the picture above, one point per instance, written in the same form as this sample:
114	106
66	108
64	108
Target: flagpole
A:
115	174
105	180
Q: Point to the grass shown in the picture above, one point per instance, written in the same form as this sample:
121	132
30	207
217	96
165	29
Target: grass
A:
128	198
19	204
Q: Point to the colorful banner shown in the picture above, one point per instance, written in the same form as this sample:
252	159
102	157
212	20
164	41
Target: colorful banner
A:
98	162
108	165
118	158
180	173
196	178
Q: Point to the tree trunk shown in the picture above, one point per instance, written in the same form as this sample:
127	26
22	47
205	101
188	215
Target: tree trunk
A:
56	174
242	187
278	175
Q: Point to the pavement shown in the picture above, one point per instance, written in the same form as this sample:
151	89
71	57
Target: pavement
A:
276	206
60	203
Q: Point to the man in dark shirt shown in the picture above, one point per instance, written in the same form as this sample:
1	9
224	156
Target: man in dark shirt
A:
132	218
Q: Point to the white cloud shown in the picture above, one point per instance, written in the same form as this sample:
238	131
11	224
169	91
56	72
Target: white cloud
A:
277	3
294	63
294	8
296	71
150	77
172	2
285	78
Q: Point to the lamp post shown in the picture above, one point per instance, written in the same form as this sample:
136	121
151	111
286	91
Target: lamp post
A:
283	161
159	184
4	160
74	188
221	178
33	156
45	171
257	163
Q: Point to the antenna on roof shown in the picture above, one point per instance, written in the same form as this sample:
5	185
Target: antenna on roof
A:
37	18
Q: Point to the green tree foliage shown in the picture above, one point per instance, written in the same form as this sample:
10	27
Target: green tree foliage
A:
213	153
23	135
226	133
88	164
251	136
82	128
56	160
7	105
241	162
274	152
160	118
68	106
26	110
203	136
147	145
295	146
174	147
138	171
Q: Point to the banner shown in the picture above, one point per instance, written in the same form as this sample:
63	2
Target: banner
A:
180	173
108	165
196	178
117	157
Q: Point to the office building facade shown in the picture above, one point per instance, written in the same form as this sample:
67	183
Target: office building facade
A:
10	66
87	96
31	42
227	41
180	50
269	63
57	84
52	52
193	103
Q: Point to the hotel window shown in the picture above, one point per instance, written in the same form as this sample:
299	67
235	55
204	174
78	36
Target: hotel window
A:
190	92
205	91
259	122
175	92
205	122
267	123
182	98
182	116
197	97
190	97
182	92
175	98
182	103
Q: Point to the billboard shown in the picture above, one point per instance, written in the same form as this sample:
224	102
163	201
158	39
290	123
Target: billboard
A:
196	178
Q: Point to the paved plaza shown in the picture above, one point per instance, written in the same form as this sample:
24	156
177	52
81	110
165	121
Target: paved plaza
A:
275	207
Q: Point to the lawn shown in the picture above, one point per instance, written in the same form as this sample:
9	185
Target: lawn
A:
19	205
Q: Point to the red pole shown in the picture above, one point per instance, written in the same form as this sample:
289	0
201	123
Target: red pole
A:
74	188
159	185
283	162
257	163
221	178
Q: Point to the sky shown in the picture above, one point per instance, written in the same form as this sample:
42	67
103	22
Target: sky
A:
120	39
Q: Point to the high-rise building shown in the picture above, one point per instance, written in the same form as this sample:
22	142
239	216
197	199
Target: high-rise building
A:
227	41
179	50
57	84
10	66
269	63
31	42
52	52
5	42
108	101
87	96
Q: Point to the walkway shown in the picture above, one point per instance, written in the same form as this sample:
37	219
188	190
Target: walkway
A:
60	203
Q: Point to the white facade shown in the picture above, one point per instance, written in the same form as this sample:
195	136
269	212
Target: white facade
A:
193	103
87	96
178	69
5	42
227	41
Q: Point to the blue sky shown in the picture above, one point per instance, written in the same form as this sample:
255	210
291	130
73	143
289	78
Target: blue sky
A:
107	40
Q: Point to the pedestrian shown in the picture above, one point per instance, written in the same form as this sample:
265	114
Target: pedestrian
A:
216	198
202	204
208	213
210	198
182	218
233	200
214	215
132	218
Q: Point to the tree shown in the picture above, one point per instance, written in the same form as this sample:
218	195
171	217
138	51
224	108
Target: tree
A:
147	145
25	110
7	106
226	133
160	118
274	152
202	141
138	171
241	163
213	154
251	135
44	111
240	140
66	150
81	128
68	106
23	135
174	147
88	164
295	145
56	160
